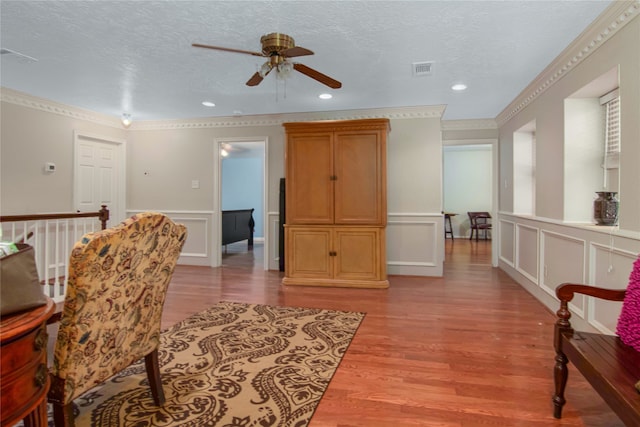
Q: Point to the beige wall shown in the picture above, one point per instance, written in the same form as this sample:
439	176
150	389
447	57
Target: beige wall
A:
164	157
169	159
548	112
544	250
31	137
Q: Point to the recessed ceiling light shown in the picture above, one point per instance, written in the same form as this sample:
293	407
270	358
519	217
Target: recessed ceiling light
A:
208	104
325	96
459	87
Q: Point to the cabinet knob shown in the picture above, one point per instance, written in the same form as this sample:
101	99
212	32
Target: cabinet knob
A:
333	178
333	253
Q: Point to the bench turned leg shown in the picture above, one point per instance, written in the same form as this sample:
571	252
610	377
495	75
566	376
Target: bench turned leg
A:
560	375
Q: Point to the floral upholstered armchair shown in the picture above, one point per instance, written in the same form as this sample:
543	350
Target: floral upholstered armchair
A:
117	284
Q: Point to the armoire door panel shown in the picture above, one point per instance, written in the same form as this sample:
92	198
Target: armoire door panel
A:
309	184
357	254
308	252
358	186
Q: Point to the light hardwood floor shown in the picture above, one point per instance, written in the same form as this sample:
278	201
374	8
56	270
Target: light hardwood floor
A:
472	348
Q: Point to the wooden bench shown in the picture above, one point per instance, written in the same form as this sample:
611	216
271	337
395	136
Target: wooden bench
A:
611	367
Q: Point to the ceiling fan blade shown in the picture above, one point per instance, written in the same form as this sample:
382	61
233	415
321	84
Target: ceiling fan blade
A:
255	79
317	75
296	51
226	49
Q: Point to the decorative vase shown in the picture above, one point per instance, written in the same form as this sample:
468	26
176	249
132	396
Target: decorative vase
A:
605	208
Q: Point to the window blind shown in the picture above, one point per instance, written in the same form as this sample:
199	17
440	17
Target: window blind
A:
611	105
612	126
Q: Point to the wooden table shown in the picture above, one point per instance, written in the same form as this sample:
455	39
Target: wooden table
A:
448	227
24	376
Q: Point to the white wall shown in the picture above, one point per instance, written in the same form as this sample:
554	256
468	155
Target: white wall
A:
467	183
583	155
524	172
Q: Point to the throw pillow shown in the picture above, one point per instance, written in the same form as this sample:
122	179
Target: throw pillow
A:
628	328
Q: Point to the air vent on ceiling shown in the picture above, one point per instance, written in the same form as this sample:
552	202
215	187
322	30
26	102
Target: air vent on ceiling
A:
422	68
8	53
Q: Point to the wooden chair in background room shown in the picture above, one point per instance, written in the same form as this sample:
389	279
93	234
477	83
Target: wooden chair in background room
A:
479	221
117	284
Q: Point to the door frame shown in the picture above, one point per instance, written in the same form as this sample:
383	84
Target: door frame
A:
216	252
117	213
495	187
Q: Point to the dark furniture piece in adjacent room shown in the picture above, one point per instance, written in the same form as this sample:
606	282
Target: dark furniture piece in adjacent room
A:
479	221
448	227
238	225
612	367
283	216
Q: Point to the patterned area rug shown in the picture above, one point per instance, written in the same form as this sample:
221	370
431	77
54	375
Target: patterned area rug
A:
233	365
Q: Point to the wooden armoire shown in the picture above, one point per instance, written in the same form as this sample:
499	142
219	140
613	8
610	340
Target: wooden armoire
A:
336	203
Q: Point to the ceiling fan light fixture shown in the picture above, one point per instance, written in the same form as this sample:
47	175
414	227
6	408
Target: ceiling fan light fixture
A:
208	104
459	87
325	96
264	70
284	69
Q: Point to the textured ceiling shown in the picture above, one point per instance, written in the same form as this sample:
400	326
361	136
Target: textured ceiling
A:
136	56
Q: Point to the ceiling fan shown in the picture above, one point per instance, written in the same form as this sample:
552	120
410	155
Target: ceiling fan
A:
278	48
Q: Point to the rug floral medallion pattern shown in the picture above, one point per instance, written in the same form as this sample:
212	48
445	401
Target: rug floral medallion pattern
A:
233	365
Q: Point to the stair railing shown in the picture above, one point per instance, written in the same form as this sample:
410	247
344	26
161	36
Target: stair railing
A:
52	237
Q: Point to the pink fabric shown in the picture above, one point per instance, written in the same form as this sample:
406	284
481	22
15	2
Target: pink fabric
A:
629	322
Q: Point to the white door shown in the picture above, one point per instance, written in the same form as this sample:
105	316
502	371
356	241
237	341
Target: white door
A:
98	176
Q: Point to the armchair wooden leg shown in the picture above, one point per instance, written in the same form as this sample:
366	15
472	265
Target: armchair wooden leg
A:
153	374
63	415
560	375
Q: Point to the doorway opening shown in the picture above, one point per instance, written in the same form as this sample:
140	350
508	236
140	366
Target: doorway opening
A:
470	185
242	178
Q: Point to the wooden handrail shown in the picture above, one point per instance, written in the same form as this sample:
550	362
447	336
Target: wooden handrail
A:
102	215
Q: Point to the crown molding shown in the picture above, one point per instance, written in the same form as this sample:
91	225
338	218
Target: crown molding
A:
615	17
420	112
469	124
22	99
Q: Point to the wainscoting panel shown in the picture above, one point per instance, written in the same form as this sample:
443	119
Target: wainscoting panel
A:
609	267
197	241
415	244
562	260
567	252
527	252
197	249
507	238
